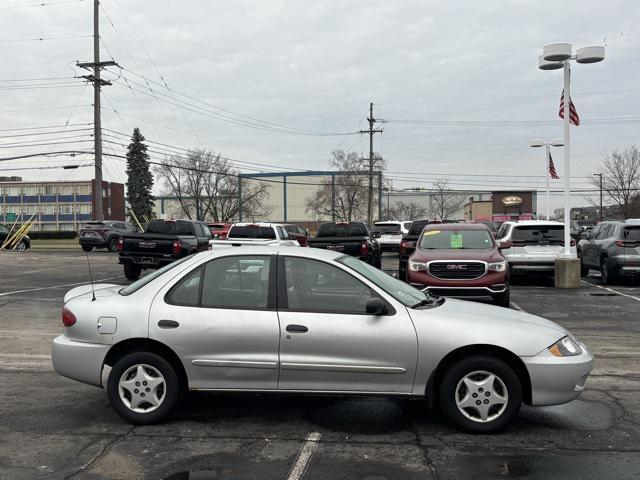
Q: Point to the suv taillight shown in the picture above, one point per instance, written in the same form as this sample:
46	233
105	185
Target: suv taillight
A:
364	249
120	244
619	243
176	247
68	318
404	245
505	244
573	243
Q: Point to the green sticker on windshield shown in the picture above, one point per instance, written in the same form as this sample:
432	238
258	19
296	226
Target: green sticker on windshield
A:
456	240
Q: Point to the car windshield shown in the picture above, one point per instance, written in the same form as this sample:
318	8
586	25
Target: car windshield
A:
387	228
138	284
169	227
342	230
252	231
401	291
455	239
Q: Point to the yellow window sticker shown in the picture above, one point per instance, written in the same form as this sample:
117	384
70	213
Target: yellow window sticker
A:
431	232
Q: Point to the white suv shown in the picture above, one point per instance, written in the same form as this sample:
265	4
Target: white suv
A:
270	234
532	245
391	233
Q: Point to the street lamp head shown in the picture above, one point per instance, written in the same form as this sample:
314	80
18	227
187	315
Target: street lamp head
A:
557	143
591	54
545	65
536	143
556	52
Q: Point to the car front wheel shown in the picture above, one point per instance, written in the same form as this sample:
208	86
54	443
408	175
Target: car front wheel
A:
112	246
481	394
143	388
87	248
607	271
502	299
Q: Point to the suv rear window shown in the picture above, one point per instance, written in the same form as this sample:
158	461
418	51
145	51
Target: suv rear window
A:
387	228
631	234
170	227
535	234
252	231
342	230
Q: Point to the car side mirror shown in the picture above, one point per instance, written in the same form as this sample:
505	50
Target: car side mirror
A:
376	234
376	306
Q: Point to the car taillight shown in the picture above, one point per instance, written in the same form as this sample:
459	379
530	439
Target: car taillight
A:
405	245
364	249
120	244
68	318
507	244
573	243
619	243
176	247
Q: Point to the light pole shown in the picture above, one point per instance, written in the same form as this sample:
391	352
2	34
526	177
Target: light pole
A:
559	55
547	145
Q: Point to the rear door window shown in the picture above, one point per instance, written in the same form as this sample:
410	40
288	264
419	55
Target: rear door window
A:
631	234
237	282
538	235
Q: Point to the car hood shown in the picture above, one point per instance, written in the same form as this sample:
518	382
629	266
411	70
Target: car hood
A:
101	290
484	254
459	323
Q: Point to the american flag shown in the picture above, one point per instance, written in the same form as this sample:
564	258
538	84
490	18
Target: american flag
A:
573	114
552	169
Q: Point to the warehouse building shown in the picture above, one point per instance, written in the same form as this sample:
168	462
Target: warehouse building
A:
57	205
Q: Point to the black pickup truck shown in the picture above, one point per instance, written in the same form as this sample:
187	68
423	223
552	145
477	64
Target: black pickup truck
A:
162	242
351	238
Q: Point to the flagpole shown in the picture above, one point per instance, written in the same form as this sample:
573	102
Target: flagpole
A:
567	167
547	165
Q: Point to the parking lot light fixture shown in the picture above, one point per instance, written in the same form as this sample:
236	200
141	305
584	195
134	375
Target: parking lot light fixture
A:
555	56
547	145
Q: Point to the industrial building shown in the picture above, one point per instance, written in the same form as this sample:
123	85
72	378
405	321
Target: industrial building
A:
57	205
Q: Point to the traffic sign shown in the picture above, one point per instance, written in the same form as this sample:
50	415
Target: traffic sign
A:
11	217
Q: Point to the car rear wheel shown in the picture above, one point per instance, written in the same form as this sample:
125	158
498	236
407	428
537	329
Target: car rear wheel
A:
21	246
481	394
584	270
87	248
502	299
607	271
112	246
143	388
132	272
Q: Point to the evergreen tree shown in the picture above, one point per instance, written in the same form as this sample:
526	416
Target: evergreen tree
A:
139	177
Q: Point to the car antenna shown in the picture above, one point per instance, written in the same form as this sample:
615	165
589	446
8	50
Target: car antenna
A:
93	291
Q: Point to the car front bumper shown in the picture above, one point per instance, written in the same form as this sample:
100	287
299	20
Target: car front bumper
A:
79	360
557	380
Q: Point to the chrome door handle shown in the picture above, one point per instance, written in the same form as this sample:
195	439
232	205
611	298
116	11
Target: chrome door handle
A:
168	324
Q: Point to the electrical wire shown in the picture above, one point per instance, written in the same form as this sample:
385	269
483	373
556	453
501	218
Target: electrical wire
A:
41	4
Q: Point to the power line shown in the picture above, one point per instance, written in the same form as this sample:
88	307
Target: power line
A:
54	132
41	4
42	39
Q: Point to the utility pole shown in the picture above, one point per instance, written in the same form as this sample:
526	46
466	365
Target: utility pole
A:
97	66
600	210
371	131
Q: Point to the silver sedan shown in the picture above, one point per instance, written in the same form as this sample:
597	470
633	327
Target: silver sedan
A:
309	320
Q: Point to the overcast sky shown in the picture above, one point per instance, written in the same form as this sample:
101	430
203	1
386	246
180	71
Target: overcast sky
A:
315	66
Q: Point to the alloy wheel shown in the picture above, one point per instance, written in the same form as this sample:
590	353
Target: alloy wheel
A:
142	388
481	396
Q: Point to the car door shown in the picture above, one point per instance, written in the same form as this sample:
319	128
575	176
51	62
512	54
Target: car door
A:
597	244
327	340
588	249
220	319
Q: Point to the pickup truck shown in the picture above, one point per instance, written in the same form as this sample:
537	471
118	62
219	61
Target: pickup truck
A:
162	242
270	234
351	238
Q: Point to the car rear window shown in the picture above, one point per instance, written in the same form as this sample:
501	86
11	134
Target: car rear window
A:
170	227
342	230
252	231
387	228
632	234
417	226
534	234
455	239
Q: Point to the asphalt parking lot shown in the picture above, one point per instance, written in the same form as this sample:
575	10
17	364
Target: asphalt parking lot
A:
52	427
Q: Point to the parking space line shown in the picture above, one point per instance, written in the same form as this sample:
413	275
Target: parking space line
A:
306	452
57	286
611	290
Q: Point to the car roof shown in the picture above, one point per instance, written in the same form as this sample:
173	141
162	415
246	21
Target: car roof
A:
256	224
315	253
533	222
456	226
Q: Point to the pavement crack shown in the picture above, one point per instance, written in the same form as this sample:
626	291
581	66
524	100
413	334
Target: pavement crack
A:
101	454
419	444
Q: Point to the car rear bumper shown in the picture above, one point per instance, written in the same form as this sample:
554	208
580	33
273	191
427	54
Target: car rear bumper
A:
79	360
556	380
145	261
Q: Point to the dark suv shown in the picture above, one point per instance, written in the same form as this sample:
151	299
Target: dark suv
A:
613	248
103	234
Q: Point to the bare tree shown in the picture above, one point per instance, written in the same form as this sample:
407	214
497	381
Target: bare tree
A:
407	211
621	179
208	187
346	199
445	201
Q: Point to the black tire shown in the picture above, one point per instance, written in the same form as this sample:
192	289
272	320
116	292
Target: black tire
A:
584	270
169	390
87	248
132	272
481	363
502	299
112	246
378	261
607	271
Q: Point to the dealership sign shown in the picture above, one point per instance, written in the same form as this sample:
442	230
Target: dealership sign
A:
511	201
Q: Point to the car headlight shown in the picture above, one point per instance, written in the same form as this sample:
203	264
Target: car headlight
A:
498	266
417	266
565	347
